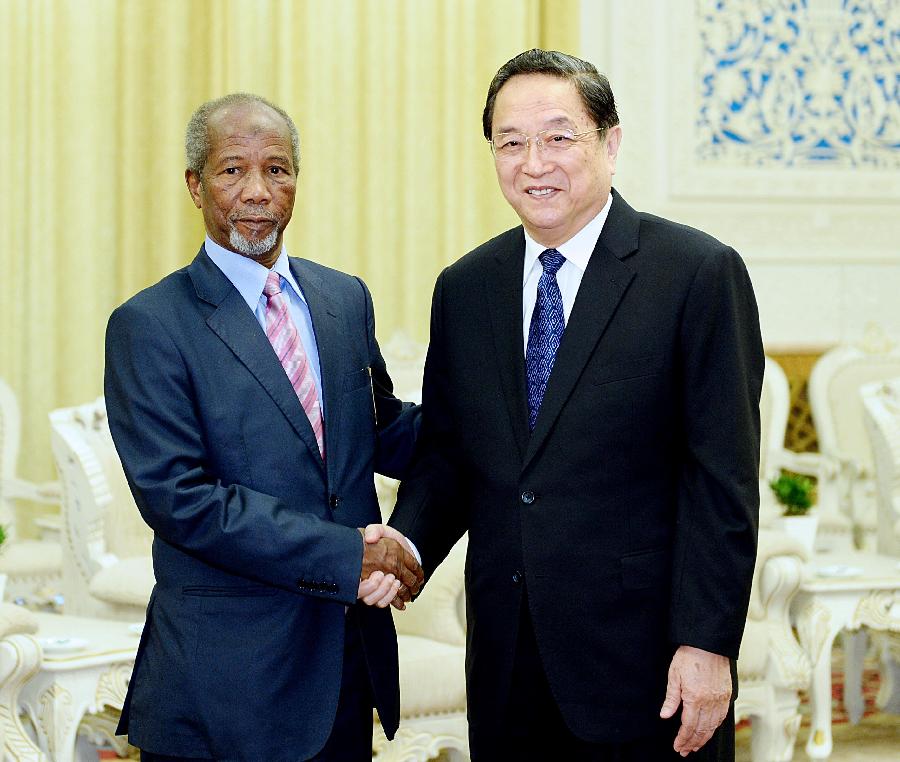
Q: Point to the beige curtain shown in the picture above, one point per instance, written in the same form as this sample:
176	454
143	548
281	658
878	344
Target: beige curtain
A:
395	183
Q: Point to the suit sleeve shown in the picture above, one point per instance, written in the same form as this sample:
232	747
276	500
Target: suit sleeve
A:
718	493
431	502
163	447
396	422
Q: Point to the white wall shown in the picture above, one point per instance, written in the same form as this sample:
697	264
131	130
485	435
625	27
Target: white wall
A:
821	237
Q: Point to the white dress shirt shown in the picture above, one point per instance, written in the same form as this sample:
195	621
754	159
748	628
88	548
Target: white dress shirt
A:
577	251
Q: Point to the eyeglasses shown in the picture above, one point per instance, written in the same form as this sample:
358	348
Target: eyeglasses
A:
514	145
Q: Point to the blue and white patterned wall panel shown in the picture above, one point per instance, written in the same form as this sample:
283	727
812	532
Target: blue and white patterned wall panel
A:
799	83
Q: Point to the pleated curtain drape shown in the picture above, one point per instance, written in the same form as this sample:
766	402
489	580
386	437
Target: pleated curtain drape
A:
396	180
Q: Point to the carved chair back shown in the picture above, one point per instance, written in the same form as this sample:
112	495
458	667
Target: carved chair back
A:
837	411
101	523
834	397
881	402
774	408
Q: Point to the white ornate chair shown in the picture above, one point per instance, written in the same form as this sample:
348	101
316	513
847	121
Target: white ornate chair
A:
774	410
847	488
772	667
431	632
431	640
881	403
30	565
107	568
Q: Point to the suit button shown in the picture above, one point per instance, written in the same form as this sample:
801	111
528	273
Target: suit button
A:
527	497
333	501
517	577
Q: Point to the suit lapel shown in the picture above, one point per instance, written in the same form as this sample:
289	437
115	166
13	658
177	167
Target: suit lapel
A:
238	328
504	294
329	340
605	282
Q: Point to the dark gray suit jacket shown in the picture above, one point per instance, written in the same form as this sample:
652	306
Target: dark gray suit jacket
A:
256	551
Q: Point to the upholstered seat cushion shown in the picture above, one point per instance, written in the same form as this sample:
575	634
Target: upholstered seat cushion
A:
432	676
26	558
438	613
129	582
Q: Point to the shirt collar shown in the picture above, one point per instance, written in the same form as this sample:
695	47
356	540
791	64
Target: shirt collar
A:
577	249
248	276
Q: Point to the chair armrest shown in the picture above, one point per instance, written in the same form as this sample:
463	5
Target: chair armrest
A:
49	522
767	587
15	620
776	579
48	493
807	463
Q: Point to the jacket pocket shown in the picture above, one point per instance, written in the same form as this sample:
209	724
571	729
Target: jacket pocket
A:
356	379
650	568
231	591
630	369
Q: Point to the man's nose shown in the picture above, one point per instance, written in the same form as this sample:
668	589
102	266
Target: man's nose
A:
535	162
255	189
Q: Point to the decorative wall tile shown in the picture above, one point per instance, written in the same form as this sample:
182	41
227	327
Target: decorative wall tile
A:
799	83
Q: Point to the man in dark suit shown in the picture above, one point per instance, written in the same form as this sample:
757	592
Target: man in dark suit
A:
590	417
250	405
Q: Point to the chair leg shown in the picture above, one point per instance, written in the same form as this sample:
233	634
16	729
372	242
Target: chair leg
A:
774	732
889	692
855	645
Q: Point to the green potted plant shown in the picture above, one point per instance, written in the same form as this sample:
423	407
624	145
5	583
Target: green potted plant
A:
797	494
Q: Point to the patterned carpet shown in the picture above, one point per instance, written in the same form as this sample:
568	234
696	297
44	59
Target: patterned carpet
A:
875	739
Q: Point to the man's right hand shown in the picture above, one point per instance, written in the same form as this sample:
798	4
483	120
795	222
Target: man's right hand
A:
388	556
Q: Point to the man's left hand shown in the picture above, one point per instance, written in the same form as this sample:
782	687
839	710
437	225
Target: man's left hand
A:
701	682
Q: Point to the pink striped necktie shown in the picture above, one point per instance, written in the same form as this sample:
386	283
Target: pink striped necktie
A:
285	340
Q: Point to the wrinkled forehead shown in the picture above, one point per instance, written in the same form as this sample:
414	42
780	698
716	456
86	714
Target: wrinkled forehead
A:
247	120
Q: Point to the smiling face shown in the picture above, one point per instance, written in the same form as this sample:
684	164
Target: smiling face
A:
246	191
555	195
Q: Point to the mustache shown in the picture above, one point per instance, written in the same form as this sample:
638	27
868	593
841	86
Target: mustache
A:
253	211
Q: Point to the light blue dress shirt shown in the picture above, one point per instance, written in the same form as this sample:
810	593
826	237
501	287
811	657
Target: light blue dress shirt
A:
249	278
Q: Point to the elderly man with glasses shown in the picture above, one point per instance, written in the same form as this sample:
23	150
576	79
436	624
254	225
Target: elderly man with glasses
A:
590	417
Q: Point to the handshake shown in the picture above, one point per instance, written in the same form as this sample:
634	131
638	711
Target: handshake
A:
390	572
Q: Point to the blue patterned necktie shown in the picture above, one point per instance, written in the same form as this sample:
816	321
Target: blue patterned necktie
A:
548	321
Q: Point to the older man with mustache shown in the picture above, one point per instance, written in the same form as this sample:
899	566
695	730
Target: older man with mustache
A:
250	405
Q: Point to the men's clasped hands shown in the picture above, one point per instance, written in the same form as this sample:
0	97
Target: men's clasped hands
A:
390	574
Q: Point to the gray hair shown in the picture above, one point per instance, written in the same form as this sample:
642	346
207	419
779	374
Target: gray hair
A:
593	87
196	138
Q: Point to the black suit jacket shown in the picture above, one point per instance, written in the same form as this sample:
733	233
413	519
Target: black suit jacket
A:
256	551
629	514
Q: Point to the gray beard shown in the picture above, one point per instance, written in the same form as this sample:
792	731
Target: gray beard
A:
252	249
